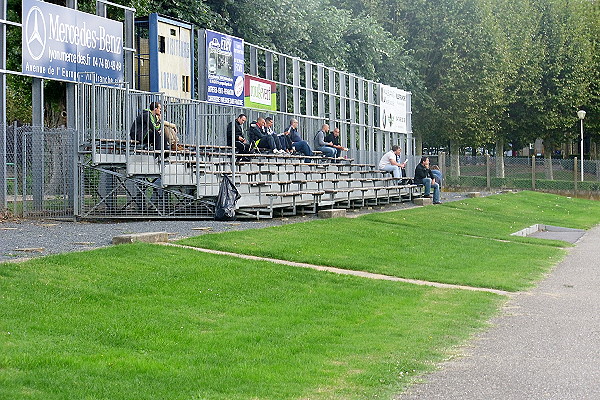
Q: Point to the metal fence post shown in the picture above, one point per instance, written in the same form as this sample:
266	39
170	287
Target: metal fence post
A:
575	173
488	172
3	151
37	144
532	172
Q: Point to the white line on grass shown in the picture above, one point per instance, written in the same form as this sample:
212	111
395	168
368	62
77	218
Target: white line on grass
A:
341	271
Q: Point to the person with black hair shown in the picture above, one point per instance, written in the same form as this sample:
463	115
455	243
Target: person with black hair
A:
146	128
271	132
423	176
242	146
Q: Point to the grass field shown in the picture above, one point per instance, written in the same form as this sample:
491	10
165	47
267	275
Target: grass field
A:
466	242
149	322
152	322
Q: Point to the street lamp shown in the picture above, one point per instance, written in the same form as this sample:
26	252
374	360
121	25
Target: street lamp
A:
581	115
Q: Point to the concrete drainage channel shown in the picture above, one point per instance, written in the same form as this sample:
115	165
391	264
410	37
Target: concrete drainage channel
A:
543	231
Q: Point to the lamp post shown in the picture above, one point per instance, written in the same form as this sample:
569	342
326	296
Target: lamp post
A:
581	115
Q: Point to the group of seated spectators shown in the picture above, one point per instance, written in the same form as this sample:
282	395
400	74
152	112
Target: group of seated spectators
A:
430	178
261	135
148	128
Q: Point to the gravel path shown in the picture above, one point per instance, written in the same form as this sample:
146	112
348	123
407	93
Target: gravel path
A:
22	239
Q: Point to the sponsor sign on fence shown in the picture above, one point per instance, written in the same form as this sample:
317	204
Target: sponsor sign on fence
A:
59	43
260	93
225	69
392	115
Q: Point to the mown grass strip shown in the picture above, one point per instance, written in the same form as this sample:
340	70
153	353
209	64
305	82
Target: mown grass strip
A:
341	271
152	322
463	243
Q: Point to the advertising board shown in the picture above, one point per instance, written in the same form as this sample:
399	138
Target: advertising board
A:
225	69
60	43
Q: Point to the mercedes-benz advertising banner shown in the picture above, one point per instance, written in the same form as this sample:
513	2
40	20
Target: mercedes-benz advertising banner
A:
61	43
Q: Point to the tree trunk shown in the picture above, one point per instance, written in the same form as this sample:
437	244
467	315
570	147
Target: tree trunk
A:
500	158
548	172
418	144
454	159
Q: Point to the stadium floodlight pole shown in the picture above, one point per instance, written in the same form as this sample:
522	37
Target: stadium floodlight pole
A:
581	115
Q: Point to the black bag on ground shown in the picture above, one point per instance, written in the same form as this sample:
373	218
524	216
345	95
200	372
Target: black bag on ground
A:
228	195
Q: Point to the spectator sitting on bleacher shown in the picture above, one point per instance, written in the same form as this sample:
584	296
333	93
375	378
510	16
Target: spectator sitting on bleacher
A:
334	138
170	130
258	135
435	170
320	144
423	176
389	163
146	128
286	142
269	130
242	146
298	144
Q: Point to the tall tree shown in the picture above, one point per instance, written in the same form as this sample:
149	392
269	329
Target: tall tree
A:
566	69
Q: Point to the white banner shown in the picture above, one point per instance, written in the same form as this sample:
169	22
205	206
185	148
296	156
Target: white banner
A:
392	109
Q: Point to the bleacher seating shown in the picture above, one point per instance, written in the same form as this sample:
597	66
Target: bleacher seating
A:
270	184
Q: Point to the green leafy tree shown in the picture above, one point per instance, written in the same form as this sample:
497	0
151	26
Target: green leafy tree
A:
566	69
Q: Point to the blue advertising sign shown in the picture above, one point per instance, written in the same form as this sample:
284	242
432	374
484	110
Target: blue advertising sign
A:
59	43
224	69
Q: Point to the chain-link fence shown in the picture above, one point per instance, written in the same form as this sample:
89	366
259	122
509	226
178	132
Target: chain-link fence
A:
533	173
36	177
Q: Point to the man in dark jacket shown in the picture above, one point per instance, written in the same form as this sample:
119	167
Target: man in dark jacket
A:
334	138
423	176
242	146
146	128
258	134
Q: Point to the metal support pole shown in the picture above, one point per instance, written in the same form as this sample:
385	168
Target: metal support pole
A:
488	172
362	139
269	65
3	182
253	61
533	172
71	109
581	149
282	89
202	62
100	9
37	143
353	145
333	114
308	83
321	95
575	173
296	83
129	52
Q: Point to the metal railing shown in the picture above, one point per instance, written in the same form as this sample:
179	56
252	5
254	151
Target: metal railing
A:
37	175
532	173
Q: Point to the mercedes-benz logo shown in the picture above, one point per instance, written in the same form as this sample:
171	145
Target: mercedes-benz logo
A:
35	32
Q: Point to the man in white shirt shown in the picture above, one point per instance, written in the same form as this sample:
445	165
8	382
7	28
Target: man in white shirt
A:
389	163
